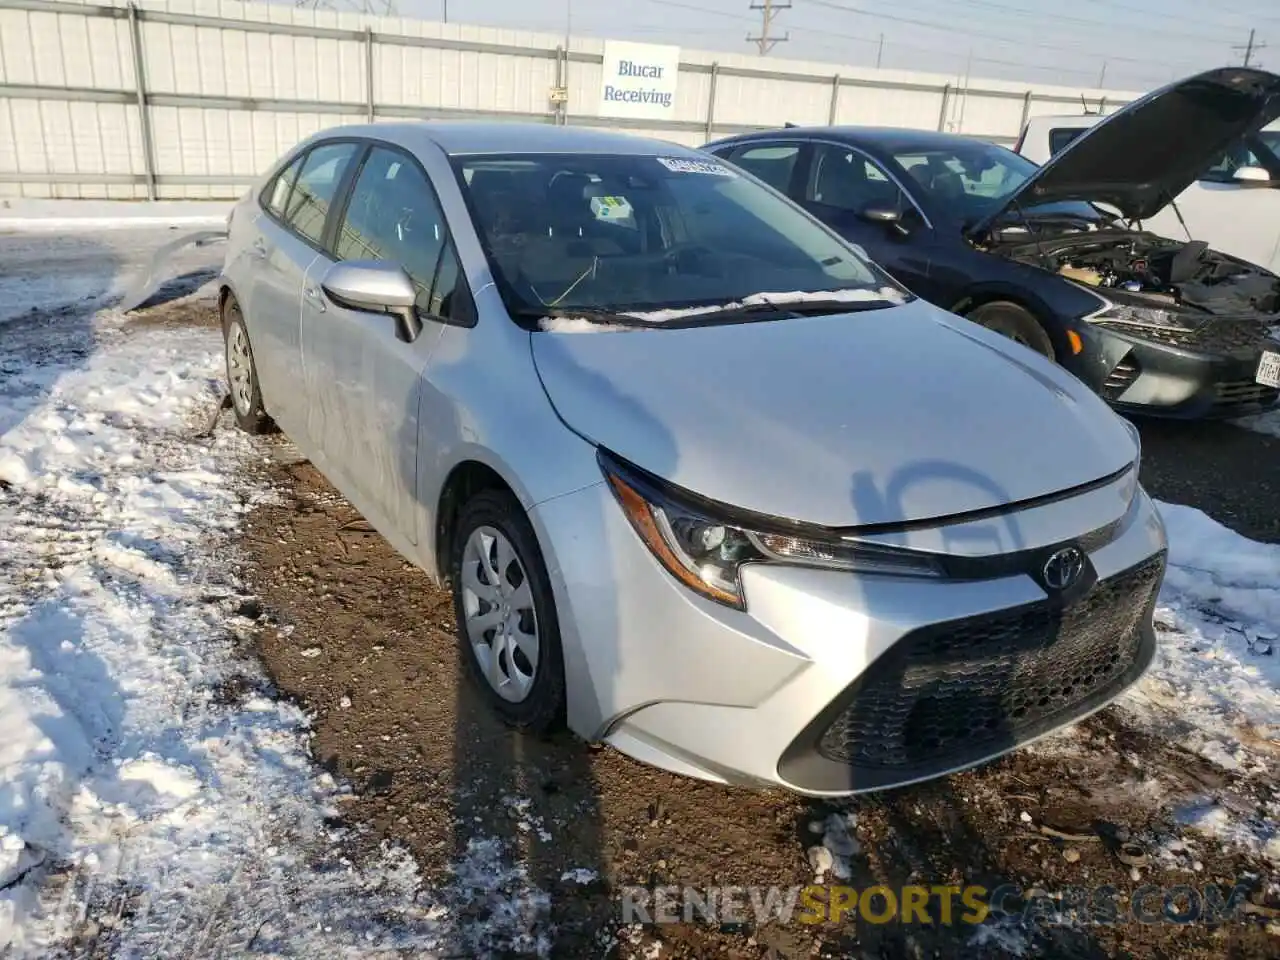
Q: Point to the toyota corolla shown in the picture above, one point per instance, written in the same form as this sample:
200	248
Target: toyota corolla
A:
705	483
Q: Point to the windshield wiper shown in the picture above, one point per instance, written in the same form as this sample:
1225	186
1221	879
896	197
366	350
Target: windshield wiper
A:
783	309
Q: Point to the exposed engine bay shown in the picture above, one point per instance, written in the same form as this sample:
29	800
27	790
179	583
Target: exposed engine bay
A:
1167	272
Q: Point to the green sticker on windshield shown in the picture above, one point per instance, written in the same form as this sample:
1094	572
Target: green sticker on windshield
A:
611	208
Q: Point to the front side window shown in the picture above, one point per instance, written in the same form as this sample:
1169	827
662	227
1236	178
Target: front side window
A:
1062	137
845	181
317	184
393	215
646	233
1256	151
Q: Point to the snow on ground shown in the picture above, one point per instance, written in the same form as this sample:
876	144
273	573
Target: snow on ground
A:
1215	684
1219	665
131	786
1268	423
83	271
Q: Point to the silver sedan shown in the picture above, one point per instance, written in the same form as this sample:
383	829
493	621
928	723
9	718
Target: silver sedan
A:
705	483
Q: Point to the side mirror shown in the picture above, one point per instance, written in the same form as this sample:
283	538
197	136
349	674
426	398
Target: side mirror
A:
1251	175
375	286
888	216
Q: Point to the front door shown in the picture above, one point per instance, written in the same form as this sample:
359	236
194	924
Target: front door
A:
367	382
842	187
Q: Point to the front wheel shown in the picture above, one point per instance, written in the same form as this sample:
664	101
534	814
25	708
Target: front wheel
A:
1012	321
242	372
506	613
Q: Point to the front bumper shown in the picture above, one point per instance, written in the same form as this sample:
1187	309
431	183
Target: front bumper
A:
824	665
1208	376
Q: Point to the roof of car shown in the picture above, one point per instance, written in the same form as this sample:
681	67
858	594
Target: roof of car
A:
477	136
886	138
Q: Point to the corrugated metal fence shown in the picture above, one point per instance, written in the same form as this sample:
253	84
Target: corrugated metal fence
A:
193	98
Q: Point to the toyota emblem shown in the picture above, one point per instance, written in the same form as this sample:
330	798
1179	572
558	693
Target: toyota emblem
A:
1063	568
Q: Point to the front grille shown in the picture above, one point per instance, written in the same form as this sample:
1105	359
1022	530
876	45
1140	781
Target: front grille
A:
1121	377
1215	335
1243	393
956	692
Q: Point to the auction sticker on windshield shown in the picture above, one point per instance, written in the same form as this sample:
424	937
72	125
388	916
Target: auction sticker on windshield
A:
1269	369
682	165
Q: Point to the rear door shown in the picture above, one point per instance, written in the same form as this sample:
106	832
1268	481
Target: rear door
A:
272	300
366	380
291	243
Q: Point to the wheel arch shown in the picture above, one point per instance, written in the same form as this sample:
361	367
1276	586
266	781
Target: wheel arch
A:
1041	312
465	479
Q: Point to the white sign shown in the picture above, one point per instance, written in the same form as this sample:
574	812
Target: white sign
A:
639	80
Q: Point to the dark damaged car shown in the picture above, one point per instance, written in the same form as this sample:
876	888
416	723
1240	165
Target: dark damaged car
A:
1055	256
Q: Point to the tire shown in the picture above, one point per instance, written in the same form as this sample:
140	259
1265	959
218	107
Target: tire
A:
242	372
1012	321
532	700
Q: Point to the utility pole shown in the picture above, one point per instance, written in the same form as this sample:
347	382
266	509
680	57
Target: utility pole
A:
1102	74
880	51
769	10
445	13
1250	48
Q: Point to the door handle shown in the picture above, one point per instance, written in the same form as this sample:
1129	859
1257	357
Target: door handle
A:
315	296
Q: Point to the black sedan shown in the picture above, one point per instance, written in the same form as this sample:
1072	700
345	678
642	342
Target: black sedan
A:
1055	256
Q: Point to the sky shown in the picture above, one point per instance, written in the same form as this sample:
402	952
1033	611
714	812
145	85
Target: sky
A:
1130	45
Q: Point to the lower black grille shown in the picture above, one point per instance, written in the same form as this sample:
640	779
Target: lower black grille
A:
960	691
1121	377
1243	393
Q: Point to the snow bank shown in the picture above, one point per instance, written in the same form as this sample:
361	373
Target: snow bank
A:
1218	665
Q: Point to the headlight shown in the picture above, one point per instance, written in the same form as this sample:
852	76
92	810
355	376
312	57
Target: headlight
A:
1123	314
704	548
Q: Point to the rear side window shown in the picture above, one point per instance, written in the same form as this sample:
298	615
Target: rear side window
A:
313	194
277	195
393	215
772	163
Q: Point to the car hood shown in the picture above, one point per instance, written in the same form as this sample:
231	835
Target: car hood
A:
876	417
1142	156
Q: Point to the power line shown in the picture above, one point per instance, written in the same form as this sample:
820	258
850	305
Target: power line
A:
769	11
889	43
1093	25
954	29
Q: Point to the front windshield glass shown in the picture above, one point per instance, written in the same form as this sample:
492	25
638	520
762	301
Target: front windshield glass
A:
974	180
641	234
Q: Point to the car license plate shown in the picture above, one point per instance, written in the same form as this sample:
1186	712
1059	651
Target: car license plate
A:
1269	369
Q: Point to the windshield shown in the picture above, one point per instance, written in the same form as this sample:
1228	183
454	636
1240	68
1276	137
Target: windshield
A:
974	180
647	234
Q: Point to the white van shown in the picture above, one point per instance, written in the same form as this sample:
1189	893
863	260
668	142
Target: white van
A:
1234	205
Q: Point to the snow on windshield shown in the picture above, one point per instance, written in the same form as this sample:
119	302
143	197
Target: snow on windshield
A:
589	325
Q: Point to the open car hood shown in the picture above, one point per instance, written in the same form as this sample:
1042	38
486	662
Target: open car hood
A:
1141	157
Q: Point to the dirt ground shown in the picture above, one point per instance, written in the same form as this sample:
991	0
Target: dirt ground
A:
366	642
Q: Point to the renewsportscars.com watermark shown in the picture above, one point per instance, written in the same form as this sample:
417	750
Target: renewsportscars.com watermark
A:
938	904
